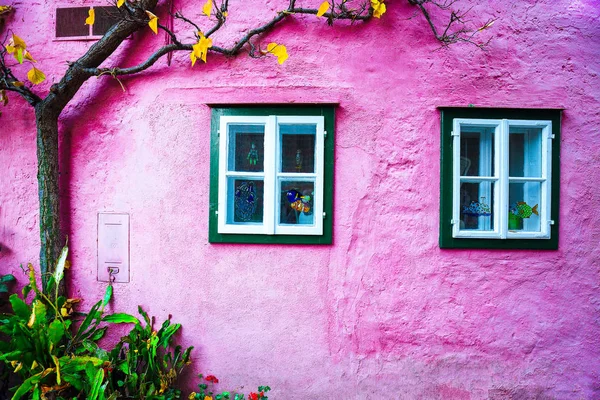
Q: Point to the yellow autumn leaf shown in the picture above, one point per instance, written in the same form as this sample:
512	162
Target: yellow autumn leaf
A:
120	3
3	97
153	23
207	8
18	83
323	9
5	9
91	17
19	366
36	76
208	398
16	46
200	49
27	55
279	51
18	42
34	364
378	8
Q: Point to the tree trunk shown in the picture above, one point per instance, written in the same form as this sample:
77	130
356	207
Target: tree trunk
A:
51	237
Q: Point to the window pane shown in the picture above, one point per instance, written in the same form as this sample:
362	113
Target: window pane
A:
477	206
477	151
245	200
297	147
525	152
297	199
70	22
105	18
246	148
524	206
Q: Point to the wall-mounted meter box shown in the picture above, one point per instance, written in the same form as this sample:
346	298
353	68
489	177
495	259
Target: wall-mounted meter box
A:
113	247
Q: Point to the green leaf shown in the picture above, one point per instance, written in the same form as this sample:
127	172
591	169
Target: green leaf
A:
107	295
121	318
20	308
27	385
90	371
98	334
26	290
50	284
56	331
7	278
40	313
88	319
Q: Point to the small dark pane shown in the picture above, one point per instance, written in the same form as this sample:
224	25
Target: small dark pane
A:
245	200
298	147
524	199
477	151
477	206
71	22
246	148
106	17
297	200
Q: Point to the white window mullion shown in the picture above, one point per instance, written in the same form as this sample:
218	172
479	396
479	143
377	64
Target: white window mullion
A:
270	172
503	184
456	178
320	171
546	213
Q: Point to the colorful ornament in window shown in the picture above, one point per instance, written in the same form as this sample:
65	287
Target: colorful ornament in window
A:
298	202
478	209
523	210
252	155
299	160
245	201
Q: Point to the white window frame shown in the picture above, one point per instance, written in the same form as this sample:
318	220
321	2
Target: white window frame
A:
501	179
272	176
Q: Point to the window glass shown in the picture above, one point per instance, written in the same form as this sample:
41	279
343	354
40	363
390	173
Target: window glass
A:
477	151
296	203
525	204
69	22
297	147
477	206
525	152
245	197
106	17
246	148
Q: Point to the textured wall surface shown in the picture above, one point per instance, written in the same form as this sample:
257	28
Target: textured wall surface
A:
383	312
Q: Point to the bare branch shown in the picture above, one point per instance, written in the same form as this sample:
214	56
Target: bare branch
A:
455	30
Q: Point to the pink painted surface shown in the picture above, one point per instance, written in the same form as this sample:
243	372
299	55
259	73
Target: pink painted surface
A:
383	312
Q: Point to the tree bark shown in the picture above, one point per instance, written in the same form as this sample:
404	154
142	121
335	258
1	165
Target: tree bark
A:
52	238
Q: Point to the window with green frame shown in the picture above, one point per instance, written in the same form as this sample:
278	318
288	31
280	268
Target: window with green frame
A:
499	178
271	174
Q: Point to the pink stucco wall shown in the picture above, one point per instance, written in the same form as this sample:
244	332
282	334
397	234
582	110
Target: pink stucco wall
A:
383	312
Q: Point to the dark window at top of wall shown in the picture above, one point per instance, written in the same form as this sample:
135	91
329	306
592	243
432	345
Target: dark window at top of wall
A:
70	21
106	17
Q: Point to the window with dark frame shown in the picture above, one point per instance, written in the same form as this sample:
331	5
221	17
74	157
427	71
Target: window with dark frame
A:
271	174
70	22
499	178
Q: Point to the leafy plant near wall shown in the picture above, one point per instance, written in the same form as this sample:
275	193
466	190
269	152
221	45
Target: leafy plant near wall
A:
143	364
56	360
52	358
57	357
